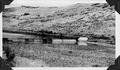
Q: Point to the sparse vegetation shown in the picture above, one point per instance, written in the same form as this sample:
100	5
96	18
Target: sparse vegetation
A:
61	55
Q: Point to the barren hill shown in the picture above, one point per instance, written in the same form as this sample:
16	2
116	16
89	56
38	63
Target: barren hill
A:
92	20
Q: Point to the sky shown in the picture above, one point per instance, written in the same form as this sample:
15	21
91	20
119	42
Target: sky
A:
45	3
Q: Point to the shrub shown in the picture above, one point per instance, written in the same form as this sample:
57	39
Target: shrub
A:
26	14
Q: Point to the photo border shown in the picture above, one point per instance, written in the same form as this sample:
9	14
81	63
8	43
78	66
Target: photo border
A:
117	48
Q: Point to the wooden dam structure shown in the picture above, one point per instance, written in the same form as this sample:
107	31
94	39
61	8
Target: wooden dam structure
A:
32	37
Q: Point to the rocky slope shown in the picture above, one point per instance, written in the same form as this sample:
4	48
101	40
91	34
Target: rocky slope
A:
92	20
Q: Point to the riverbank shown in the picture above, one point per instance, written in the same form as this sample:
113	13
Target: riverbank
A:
99	43
61	55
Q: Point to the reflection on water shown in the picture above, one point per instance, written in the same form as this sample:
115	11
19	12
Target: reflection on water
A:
38	39
82	43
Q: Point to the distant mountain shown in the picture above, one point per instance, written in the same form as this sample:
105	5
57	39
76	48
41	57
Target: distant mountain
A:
79	19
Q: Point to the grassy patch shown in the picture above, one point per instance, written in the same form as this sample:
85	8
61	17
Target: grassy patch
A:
35	55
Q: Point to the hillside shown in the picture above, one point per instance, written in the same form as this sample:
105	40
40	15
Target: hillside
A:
92	20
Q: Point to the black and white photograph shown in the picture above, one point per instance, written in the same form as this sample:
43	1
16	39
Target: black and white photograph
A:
58	33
